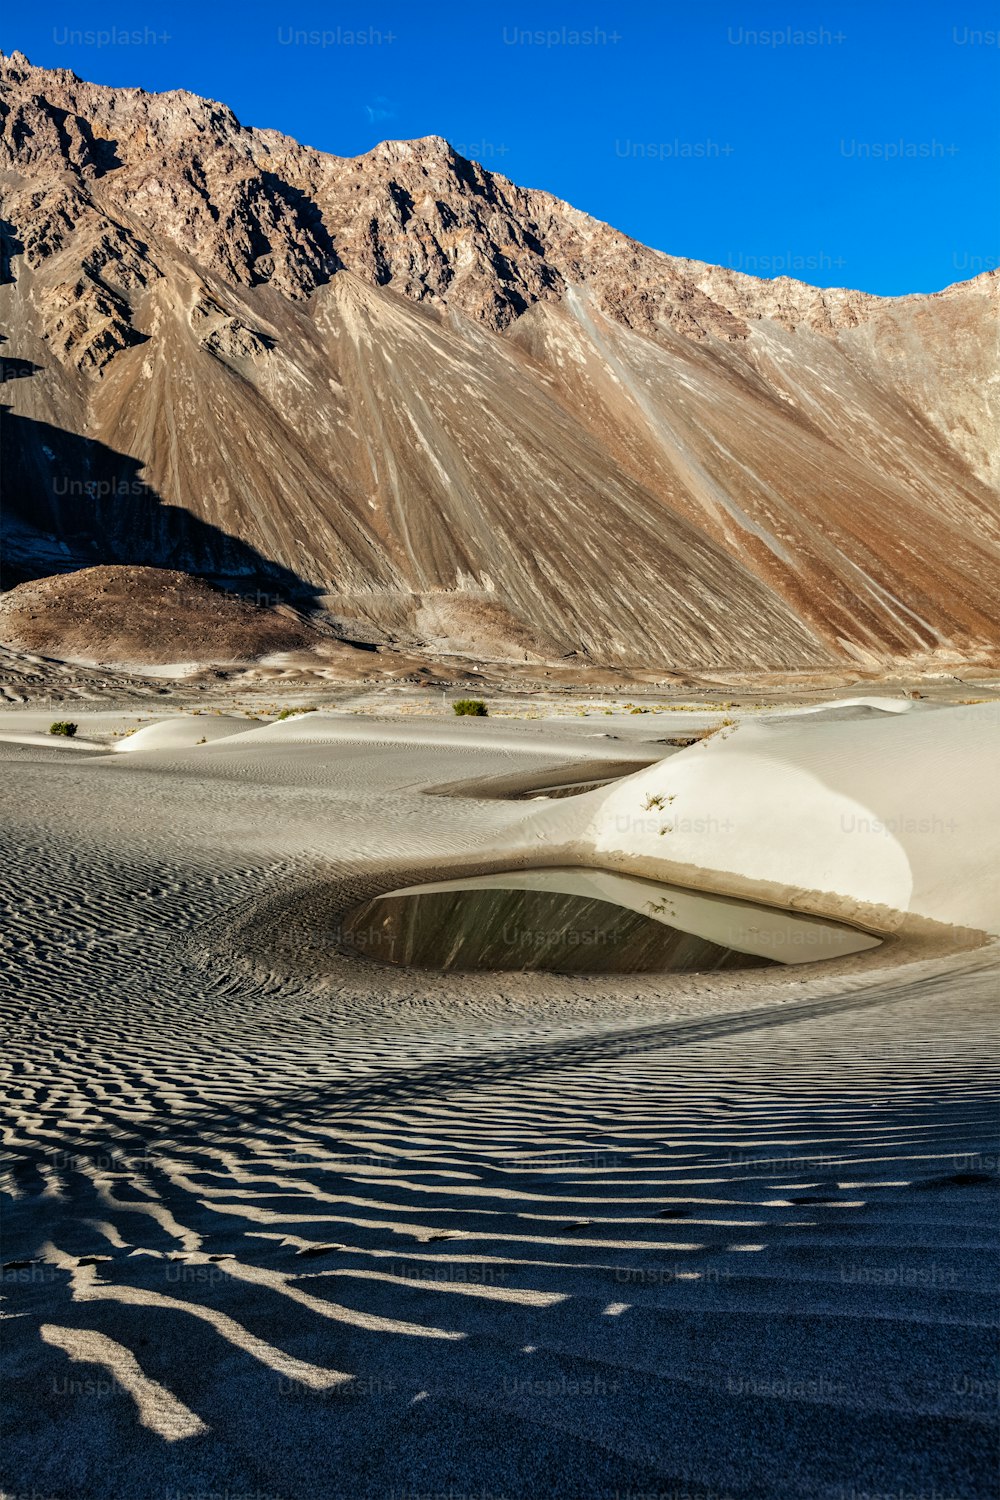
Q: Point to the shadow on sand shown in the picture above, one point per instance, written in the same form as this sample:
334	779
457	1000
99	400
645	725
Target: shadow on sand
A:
712	1258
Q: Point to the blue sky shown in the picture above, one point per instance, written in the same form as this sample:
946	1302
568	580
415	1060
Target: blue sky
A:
851	144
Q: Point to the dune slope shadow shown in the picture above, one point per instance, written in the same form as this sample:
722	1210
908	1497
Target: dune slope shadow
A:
71	502
518	929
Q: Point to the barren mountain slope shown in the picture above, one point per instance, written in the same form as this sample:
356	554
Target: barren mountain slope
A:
881	540
573	443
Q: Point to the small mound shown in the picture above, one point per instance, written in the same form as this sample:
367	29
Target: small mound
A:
146	616
845	710
185	733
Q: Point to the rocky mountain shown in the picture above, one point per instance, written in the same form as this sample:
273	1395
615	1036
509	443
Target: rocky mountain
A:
440	410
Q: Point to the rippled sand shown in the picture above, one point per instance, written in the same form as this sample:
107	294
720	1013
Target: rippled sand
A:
281	1223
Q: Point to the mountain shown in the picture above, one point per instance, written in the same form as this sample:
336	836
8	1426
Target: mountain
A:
440	410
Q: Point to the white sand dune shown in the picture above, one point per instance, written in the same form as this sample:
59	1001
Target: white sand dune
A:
878	822
855	708
283	1222
185	733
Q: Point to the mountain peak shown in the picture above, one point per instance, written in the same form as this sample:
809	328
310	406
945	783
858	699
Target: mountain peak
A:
403	383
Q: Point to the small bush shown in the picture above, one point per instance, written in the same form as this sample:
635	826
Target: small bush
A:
474	706
61	726
723	729
289	713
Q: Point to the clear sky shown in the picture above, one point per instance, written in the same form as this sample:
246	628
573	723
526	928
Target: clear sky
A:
851	144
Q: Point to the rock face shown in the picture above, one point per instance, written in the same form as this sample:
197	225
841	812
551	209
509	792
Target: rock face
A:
449	410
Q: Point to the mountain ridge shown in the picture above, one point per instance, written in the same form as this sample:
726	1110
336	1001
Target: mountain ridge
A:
796	476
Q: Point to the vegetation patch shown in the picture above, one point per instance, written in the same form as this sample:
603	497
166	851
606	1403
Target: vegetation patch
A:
474	706
62	726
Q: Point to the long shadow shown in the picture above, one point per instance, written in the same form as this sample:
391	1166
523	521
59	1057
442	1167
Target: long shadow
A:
12	368
71	502
393	1087
790	1342
644	1296
10	246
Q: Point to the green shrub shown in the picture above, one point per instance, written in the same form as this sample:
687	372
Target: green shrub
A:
61	726
289	713
474	706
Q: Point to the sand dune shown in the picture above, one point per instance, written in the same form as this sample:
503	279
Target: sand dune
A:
885	821
477	1234
184	733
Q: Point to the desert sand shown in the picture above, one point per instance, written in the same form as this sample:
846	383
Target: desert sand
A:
282	1222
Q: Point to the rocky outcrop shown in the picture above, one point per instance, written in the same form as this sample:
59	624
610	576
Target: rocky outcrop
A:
146	616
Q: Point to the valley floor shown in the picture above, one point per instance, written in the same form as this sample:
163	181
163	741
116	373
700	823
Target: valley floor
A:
282	1224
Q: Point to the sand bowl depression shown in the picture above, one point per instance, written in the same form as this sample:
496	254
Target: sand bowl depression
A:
566	920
